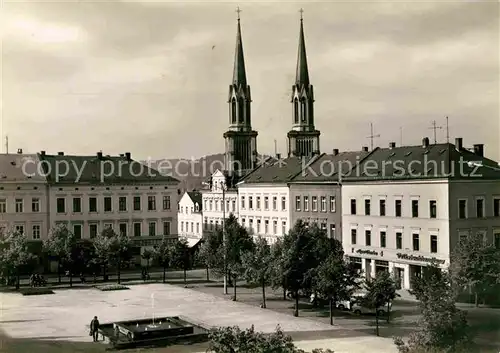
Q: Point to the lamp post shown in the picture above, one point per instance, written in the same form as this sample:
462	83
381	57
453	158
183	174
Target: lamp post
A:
223	187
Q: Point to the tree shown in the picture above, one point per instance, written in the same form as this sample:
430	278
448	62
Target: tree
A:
337	280
181	256
277	276
14	254
212	253
258	266
103	250
442	326
62	244
475	264
163	254
380	292
304	249
238	242
147	255
120	251
233	339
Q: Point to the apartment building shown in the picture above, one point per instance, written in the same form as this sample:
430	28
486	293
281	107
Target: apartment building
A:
264	198
90	193
190	217
315	193
219	199
23	196
407	207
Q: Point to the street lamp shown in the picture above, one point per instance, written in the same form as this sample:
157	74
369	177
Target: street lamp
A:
223	187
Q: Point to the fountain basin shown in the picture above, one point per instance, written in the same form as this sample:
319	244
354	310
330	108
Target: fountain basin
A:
163	331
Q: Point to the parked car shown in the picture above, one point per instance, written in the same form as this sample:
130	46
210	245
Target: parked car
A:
359	308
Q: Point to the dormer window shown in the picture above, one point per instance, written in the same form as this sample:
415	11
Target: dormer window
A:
233	111
197	207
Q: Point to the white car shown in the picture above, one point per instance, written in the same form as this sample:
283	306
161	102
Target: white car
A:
358	308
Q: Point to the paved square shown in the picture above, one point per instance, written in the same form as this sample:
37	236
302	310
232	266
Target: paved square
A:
66	314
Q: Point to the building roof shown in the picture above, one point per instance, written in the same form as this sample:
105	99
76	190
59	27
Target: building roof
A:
302	72
20	168
277	171
64	169
327	167
196	197
418	162
239	72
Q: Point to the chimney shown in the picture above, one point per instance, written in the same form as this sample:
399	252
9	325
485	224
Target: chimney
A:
99	155
364	149
335	151
459	143
19	151
122	155
42	153
60	153
479	150
392	144
128	156
278	156
425	142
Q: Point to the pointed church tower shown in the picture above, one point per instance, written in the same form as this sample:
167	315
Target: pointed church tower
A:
303	139
241	140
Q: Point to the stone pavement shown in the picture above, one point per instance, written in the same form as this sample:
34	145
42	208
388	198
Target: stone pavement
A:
66	315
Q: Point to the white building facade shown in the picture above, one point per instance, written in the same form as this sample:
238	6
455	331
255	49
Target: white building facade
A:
190	217
219	201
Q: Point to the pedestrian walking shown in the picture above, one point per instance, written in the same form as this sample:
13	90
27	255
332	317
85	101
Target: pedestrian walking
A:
94	329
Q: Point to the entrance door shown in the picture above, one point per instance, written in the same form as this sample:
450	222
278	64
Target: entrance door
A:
400	275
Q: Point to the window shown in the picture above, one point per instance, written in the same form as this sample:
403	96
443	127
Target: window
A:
332	231
227	205
210	205
92	204
205	223
108	226
432	209
258	202
353	236
496	207
35	204
353	206
266	203
381	205
122	204
166	202
242	202
61	205
108	207
323	227
250	223
211	224
397	208
192	227
399	240
275	227
266	226
323	203
479	208
93	230
3	206
137	203
258	226
19	205
497	240
250	202
275	203
297	203
36	231
233	205
315	204
332	204
367	207
77	231
197	227
368	237
137	229
434	243
283	203
306	203
123	229
283	227
414	208
182	226
151	203
205	205
166	228
462	209
20	229
152	229
383	239
416	242
77	205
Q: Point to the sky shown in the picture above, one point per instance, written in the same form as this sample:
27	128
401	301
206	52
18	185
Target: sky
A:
152	78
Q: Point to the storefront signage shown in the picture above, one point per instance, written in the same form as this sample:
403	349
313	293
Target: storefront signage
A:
367	252
419	258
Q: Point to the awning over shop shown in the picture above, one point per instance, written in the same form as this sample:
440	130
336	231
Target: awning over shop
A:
192	242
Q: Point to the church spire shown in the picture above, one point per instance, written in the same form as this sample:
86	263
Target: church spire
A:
302	74
239	73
